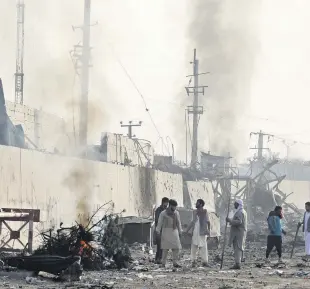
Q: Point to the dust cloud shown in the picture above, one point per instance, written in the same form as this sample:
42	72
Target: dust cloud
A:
78	181
225	34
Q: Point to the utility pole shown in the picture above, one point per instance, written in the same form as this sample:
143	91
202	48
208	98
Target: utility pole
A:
19	71
130	125
260	143
288	146
85	75
81	58
195	109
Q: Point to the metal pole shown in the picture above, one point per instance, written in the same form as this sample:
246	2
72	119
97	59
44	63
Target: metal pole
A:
225	233
186	150
260	145
19	73
85	75
30	233
130	131
195	113
294	243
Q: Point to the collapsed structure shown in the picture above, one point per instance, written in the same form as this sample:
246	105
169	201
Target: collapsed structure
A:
259	189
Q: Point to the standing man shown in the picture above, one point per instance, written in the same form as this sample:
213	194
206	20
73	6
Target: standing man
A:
274	238
162	207
169	225
306	229
201	225
238	232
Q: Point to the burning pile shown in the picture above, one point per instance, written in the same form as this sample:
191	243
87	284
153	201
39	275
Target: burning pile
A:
99	244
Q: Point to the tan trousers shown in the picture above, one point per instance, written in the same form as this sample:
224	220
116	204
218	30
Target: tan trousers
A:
175	254
237	253
203	252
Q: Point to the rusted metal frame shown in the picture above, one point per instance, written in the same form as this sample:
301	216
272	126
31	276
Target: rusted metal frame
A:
11	230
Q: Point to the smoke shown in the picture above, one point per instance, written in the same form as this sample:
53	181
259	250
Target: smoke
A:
52	83
79	183
97	118
225	34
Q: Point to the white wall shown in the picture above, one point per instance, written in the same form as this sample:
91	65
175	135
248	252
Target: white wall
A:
201	190
47	131
139	152
66	189
301	191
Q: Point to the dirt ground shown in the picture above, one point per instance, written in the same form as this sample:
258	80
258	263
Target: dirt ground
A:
145	275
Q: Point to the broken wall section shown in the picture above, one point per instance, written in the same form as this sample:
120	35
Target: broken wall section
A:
120	149
202	190
48	132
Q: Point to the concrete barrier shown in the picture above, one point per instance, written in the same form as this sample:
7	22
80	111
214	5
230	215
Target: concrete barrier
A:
201	190
67	189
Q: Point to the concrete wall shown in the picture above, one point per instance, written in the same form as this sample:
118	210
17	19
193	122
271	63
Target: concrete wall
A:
118	147
301	191
51	133
68	189
47	131
201	190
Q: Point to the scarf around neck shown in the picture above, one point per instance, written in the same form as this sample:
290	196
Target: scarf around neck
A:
240	207
172	215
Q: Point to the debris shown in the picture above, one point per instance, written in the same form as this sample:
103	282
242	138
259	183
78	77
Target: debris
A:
99	244
160	276
66	268
225	286
276	272
144	276
32	280
140	268
301	273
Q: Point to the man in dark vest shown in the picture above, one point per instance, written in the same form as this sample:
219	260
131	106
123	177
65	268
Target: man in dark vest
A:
162	207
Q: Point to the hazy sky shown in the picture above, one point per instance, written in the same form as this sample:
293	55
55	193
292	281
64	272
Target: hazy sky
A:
151	39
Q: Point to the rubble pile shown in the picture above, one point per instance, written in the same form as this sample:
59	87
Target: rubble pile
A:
99	245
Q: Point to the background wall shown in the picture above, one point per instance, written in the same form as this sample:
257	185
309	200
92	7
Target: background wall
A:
201	190
48	132
69	189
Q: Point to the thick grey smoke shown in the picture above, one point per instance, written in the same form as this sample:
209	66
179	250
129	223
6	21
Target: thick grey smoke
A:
225	34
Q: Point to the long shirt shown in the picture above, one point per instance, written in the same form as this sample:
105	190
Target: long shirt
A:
157	213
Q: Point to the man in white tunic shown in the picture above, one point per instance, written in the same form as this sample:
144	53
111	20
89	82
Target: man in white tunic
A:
306	229
169	227
201	225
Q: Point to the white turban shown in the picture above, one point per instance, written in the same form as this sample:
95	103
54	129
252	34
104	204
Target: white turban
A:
240	202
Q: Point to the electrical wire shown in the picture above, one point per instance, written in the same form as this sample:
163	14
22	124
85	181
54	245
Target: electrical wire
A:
143	99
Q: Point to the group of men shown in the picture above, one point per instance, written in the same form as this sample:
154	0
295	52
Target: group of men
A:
168	232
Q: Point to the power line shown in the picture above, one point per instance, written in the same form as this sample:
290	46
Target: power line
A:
293	141
143	99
